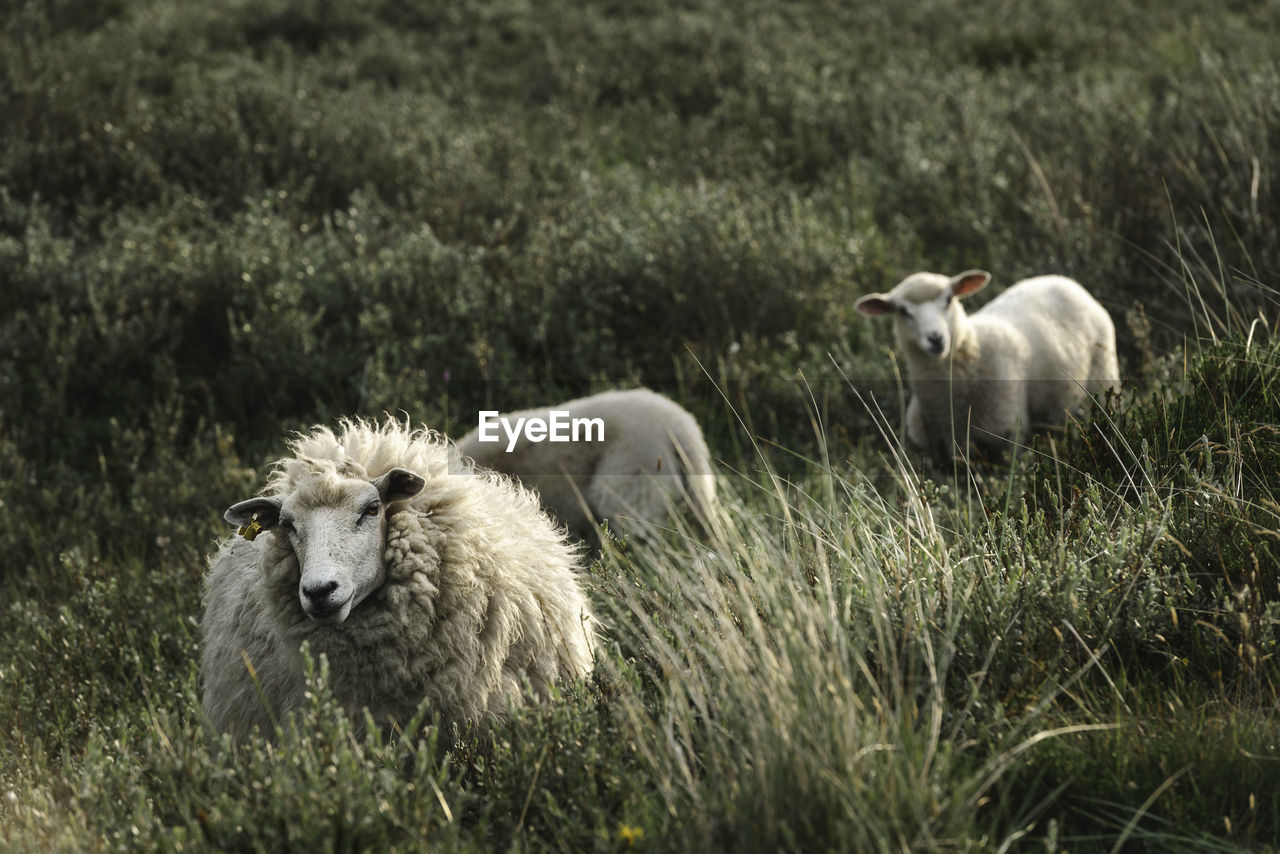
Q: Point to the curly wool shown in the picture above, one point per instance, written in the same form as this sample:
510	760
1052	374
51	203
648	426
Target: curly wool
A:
481	600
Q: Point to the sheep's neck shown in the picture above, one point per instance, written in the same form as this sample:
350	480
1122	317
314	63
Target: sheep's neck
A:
965	347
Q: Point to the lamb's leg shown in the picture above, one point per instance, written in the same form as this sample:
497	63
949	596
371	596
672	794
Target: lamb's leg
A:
915	423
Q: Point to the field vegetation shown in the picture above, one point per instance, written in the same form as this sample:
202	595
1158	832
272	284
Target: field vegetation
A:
227	220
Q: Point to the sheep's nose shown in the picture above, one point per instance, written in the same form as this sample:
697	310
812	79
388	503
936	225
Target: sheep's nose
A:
319	592
935	342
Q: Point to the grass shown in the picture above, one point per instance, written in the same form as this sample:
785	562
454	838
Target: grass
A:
223	221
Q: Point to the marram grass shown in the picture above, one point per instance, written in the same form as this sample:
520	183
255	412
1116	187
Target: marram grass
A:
960	666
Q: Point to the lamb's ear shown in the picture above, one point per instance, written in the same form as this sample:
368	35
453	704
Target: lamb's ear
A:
398	484
969	282
266	509
874	304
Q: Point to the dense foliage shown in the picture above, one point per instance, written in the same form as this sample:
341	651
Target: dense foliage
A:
222	221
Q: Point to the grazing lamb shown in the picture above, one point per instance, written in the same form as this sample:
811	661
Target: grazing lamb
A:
646	457
1024	360
418	584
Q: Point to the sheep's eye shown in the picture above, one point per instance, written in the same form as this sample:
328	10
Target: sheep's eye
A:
904	311
371	510
286	525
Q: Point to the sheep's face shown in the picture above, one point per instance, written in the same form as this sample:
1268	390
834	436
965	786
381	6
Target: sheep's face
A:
926	309
338	529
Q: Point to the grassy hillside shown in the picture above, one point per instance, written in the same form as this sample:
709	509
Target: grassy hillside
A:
223	221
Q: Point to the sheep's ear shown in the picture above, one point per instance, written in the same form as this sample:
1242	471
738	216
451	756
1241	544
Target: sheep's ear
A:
267	511
398	484
969	282
874	304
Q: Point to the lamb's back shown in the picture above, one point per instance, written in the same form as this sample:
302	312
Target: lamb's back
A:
1059	320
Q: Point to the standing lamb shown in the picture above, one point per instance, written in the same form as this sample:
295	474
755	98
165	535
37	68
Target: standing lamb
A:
1024	360
419	586
647	457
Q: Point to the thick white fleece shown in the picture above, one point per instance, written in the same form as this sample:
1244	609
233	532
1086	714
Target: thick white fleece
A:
481	601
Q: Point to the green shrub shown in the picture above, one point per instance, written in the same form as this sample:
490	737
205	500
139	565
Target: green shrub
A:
223	221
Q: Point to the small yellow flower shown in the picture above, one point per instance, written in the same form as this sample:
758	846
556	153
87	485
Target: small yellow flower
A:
630	835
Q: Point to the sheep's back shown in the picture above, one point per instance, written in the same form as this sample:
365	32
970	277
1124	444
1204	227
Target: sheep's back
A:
1059	320
646	436
1062	327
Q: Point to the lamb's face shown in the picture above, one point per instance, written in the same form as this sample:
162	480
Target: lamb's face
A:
338	531
926	309
926	324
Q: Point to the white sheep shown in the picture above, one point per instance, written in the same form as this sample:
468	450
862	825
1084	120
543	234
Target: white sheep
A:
1024	360
651	459
420	581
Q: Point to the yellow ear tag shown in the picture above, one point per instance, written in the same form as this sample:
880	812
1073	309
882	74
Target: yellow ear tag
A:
251	530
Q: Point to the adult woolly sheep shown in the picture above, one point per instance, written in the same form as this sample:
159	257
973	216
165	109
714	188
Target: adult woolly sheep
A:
419	579
1024	360
651	459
